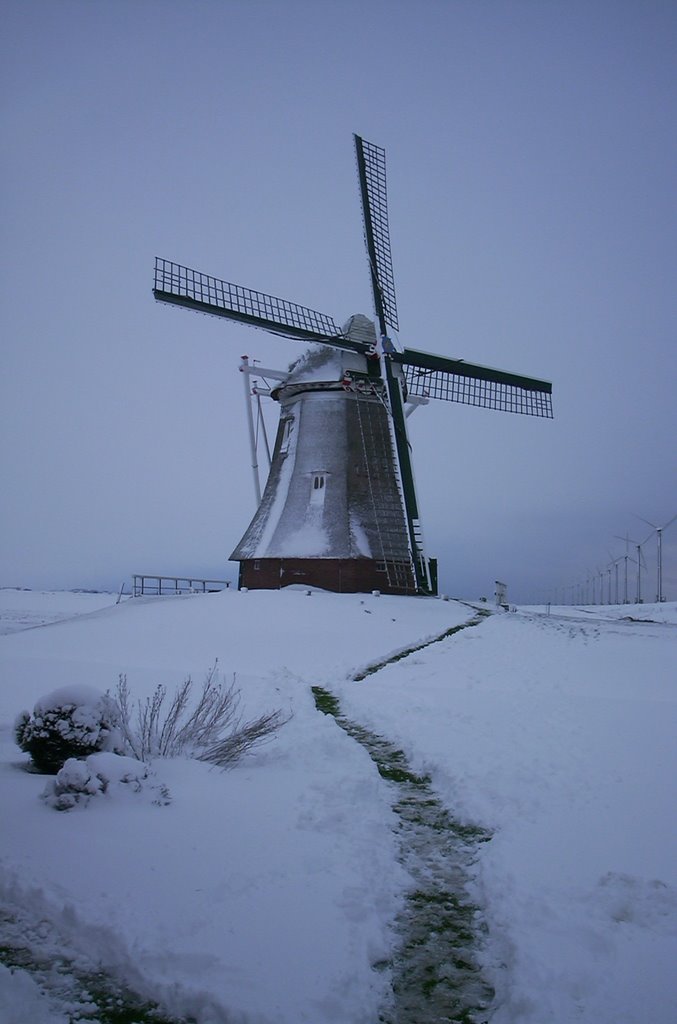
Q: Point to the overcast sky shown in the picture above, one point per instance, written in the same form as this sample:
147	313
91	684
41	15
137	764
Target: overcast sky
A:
531	153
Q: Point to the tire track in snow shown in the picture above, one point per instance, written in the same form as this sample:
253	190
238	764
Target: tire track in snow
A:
435	971
376	666
69	988
55	979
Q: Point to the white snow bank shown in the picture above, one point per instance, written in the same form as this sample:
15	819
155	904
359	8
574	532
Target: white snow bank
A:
68	696
266	893
22	1000
101	775
663	612
559	736
25	609
163	639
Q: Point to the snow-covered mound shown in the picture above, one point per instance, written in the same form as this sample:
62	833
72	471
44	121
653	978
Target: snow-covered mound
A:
101	775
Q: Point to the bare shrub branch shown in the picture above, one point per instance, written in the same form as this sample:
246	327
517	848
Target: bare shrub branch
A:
129	737
166	736
230	749
212	731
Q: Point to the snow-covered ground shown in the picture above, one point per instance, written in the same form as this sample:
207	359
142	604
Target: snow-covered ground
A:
24	609
268	893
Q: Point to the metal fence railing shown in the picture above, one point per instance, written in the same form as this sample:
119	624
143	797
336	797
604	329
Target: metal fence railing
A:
144	584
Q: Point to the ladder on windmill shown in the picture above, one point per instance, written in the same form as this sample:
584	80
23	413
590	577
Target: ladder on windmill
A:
389	515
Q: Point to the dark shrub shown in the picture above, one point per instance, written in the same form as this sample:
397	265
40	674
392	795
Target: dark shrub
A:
72	722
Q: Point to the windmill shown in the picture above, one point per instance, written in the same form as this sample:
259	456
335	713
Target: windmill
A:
340	509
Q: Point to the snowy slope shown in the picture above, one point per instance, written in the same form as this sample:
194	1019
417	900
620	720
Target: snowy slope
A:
269	892
23	609
558	733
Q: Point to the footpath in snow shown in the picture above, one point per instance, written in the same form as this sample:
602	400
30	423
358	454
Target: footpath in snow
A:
271	893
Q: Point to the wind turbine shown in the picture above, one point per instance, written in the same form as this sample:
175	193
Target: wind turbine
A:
625	559
600	573
590	588
614	565
640	559
591	582
659	535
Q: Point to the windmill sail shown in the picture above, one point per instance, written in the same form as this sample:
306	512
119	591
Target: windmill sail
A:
371	167
454	380
181	286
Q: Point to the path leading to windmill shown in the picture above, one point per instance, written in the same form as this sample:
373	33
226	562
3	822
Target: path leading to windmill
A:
434	969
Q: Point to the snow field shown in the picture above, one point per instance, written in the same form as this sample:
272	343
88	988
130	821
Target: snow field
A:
22	609
559	736
266	893
267	889
262	894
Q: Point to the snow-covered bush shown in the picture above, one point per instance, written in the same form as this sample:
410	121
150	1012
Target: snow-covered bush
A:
208	729
71	722
105	773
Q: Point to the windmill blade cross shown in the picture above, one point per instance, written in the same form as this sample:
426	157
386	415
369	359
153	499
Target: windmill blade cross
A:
454	380
181	286
351	423
371	169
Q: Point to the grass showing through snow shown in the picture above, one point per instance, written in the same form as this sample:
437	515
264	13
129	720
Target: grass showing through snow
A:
378	665
87	996
436	976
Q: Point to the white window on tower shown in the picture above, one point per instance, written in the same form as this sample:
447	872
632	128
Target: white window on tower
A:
317	488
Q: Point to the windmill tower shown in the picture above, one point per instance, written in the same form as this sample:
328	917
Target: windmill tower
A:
340	509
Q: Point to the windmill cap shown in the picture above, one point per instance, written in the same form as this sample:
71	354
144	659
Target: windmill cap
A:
359	327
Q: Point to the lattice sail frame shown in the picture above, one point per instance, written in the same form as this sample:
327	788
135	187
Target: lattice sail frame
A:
371	165
182	286
478	391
